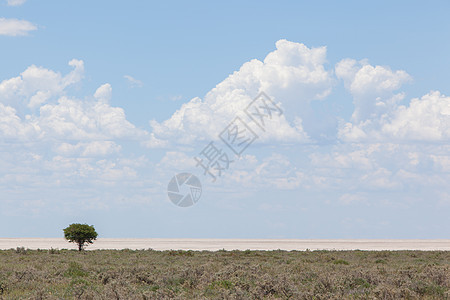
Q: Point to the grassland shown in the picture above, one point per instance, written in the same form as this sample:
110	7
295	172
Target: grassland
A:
148	274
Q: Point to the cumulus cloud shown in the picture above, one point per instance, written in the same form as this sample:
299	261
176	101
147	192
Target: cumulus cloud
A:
293	75
12	127
43	128
73	119
36	85
103	93
51	140
35	106
378	115
372	87
15	27
424	119
388	163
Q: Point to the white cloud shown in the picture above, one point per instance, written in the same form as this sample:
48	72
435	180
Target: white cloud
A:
74	119
378	115
36	85
15	2
372	87
50	138
247	171
384	164
90	149
293	74
12	127
36	107
424	119
133	81
152	142
379	179
364	167
14	27
176	160
103	93
355	158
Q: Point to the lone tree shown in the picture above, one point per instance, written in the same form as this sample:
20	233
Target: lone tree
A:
82	234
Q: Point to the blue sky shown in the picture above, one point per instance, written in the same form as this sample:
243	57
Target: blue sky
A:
101	103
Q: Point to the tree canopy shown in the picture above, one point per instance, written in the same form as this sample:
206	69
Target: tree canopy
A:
82	234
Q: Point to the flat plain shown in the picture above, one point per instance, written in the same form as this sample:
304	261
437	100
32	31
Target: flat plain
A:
180	274
233	244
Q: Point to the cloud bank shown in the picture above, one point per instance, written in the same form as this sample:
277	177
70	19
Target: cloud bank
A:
391	142
292	74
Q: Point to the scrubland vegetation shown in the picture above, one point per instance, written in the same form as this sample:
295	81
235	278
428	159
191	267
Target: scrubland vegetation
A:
148	274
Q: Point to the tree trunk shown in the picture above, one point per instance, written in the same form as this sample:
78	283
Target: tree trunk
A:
80	246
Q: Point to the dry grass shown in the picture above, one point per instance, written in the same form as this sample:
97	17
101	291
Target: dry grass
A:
147	274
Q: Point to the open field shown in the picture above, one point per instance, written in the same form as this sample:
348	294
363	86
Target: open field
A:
150	274
231	244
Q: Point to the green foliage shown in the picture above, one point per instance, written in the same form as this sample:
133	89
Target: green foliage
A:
75	270
77	287
361	282
430	289
53	251
226	284
82	234
214	288
180	252
341	262
21	250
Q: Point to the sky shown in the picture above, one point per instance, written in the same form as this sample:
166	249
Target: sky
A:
322	119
